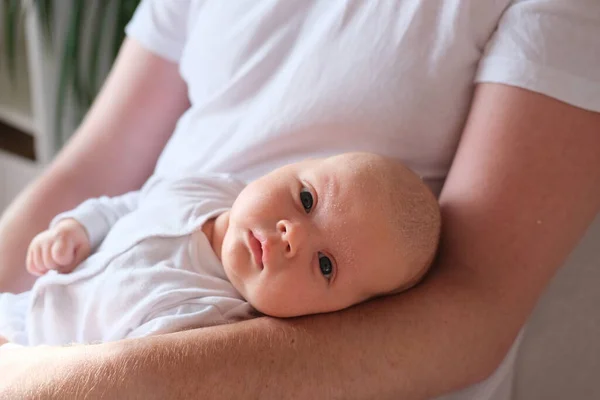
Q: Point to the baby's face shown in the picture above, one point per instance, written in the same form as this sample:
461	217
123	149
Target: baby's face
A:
310	238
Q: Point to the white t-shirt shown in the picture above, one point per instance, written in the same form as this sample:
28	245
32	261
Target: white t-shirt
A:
154	272
275	81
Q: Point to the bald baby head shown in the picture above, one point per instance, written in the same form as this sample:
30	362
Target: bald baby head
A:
412	223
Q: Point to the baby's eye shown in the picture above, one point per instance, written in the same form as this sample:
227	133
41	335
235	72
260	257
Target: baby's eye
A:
325	265
306	199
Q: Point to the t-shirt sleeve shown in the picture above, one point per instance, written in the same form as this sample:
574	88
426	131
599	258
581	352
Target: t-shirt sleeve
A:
550	47
161	26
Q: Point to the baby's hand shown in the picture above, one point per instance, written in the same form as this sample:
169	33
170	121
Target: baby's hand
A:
61	248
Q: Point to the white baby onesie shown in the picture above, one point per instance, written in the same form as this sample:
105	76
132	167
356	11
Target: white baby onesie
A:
146	277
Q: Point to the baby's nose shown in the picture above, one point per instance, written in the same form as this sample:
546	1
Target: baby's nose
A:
293	236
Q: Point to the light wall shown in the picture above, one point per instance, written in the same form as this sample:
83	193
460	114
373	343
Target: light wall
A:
560	355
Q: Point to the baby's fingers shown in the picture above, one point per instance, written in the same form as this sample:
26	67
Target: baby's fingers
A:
35	264
29	259
47	258
63	251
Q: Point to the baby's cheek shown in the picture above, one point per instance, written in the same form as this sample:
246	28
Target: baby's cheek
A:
269	299
289	299
232	259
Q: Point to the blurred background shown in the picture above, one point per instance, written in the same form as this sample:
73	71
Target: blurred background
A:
54	56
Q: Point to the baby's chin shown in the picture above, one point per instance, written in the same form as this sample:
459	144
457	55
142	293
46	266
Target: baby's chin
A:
277	309
271	307
279	312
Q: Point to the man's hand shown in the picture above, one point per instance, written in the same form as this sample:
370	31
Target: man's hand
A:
61	248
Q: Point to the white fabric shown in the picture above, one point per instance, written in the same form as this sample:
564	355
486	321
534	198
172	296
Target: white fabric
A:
150	275
11	346
271	82
98	215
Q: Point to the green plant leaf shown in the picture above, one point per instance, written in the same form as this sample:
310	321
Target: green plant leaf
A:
76	58
74	81
99	25
12	13
68	69
46	17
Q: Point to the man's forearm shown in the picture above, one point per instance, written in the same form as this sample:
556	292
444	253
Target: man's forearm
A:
411	346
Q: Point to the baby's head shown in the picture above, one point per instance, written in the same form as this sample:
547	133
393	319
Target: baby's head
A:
324	234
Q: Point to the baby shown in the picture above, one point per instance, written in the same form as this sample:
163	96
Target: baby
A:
312	237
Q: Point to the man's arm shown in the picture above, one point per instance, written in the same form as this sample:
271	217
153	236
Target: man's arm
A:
521	192
134	114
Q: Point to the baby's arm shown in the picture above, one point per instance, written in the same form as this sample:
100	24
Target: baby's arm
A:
99	214
73	234
60	248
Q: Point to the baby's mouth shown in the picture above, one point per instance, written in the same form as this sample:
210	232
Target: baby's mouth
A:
256	249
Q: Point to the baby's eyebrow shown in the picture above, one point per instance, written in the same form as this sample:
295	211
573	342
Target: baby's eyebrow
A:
330	187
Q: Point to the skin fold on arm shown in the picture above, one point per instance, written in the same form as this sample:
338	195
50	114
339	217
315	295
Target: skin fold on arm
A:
126	129
523	188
